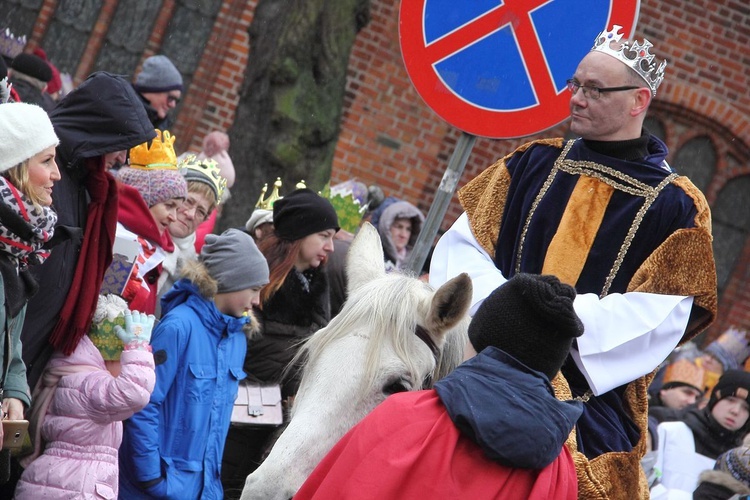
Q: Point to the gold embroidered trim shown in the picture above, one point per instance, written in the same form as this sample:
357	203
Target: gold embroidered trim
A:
611	177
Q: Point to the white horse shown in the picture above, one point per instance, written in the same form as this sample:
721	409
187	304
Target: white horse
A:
393	334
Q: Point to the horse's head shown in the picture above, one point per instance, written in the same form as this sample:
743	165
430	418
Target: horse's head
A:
389	337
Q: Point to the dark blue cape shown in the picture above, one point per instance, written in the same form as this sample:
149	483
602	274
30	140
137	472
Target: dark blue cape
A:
508	409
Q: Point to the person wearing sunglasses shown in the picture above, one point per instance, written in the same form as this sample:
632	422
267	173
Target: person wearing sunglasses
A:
606	214
159	84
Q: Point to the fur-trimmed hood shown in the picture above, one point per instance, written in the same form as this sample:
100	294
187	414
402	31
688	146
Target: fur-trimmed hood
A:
724	479
196	281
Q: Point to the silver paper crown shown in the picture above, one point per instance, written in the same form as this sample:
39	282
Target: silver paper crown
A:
635	56
11	46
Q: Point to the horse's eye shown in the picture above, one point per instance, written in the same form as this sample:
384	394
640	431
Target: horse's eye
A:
396	386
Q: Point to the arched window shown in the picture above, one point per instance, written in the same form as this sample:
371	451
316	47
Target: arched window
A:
731	226
696	159
656	127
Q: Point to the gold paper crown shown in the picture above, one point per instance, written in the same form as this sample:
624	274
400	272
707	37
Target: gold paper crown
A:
635	56
685	371
267	203
208	169
160	155
11	46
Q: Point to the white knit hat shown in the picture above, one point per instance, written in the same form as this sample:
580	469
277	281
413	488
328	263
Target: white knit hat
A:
25	130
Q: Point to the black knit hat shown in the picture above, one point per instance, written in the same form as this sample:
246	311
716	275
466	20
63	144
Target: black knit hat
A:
732	383
301	213
530	317
32	66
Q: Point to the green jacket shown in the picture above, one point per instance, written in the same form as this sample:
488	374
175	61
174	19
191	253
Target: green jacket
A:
14	384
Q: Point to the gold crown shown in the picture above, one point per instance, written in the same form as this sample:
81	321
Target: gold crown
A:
159	155
208	172
685	371
267	203
635	56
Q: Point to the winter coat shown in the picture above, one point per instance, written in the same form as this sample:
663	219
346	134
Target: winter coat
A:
398	210
83	426
180	435
14	383
458	441
184	251
30	93
102	115
719	485
133	213
291	315
711	439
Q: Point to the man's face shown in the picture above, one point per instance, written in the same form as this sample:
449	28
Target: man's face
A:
605	118
162	102
114	159
679	397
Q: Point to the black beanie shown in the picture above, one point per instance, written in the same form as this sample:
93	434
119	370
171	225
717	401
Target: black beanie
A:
732	383
301	213
530	317
33	66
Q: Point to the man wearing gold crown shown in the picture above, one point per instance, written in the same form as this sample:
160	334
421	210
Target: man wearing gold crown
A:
606	214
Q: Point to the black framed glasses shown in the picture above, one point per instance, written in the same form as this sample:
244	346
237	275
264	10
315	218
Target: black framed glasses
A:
594	93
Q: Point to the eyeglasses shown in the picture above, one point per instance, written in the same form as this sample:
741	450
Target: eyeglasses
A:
200	213
594	93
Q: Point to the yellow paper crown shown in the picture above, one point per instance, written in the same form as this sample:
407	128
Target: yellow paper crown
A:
208	172
685	371
159	155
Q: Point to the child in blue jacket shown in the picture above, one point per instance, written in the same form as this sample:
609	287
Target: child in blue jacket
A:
173	447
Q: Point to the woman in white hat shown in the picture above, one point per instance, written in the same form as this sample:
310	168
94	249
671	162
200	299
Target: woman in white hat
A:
27	222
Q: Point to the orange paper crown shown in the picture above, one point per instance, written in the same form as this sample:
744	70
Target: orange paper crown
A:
159	155
685	371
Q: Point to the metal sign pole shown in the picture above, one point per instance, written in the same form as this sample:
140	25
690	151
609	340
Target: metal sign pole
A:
439	206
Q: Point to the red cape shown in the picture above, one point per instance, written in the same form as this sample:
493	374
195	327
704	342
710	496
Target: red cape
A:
408	447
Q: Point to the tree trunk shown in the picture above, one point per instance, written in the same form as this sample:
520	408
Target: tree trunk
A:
288	118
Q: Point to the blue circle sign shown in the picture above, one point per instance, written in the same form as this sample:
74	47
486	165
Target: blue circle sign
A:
497	68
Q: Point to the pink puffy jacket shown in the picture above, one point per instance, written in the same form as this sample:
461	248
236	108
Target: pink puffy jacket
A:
82	430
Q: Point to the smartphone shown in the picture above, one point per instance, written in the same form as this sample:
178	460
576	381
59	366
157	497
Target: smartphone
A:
14	432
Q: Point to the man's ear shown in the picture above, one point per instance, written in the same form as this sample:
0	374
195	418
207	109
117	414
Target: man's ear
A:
641	100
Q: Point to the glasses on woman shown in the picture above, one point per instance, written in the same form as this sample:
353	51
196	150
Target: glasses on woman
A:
592	92
190	204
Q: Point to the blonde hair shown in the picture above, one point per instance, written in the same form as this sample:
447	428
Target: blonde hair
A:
206	191
19	177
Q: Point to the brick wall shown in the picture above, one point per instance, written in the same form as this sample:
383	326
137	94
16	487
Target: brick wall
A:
391	138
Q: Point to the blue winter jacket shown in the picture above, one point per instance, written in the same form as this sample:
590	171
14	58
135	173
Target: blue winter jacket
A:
180	435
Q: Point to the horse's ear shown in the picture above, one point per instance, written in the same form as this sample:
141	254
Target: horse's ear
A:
450	304
364	260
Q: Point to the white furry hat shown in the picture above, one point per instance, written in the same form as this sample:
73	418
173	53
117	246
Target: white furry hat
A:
25	130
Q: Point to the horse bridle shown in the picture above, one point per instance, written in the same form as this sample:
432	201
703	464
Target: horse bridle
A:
423	335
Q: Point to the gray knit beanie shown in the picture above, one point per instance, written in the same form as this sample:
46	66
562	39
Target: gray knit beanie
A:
25	130
158	75
233	260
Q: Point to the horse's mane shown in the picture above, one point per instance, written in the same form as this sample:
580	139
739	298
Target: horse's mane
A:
384	310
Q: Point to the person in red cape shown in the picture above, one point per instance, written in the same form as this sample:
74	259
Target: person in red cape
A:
151	190
490	429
